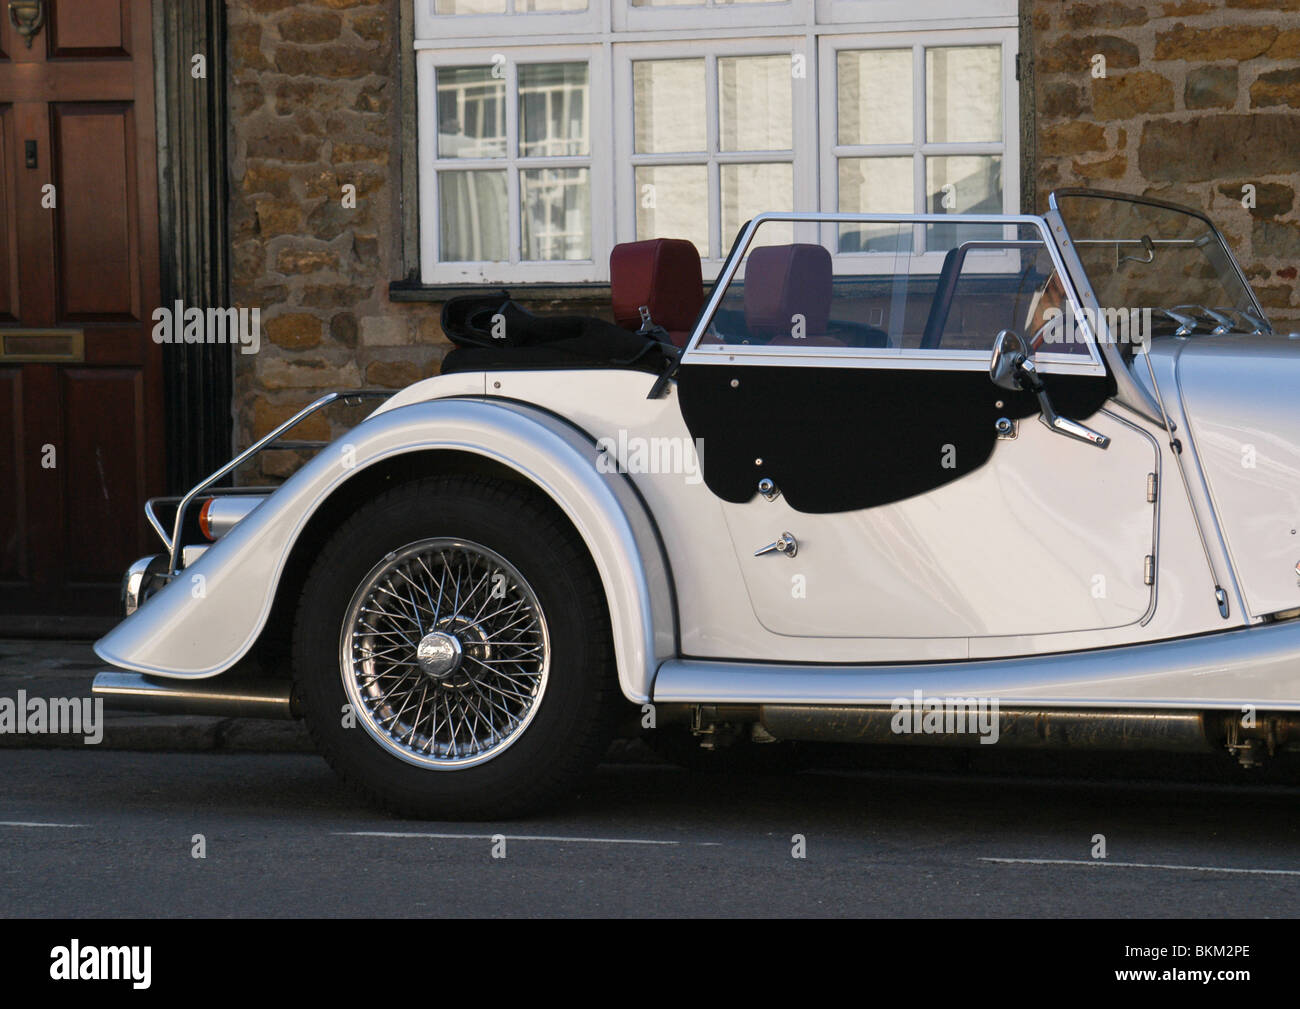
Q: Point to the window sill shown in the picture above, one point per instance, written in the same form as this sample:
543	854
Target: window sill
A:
412	291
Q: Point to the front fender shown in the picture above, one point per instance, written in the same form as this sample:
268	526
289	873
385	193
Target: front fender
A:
201	625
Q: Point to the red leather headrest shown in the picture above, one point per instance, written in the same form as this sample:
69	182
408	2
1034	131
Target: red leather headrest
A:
664	275
782	281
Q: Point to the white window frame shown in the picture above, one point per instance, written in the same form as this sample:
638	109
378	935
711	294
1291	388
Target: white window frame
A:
515	269
610	36
791	14
831	150
430	27
801	155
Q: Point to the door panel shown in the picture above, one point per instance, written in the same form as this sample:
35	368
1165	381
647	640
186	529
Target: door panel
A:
8	234
94	146
93	28
13	498
105	456
82	435
1050	535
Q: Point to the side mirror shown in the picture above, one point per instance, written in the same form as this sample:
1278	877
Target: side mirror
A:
1008	349
1012	367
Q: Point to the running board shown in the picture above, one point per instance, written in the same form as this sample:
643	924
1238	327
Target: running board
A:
223	695
1255	666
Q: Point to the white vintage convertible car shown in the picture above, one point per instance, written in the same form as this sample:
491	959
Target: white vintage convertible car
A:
1047	467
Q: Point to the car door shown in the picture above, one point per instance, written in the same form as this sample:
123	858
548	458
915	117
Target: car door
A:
876	483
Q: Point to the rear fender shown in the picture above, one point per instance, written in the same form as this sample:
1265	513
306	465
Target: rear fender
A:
211	615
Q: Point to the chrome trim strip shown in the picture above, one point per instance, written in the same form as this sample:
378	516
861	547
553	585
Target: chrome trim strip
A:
1155	512
227	696
1225	670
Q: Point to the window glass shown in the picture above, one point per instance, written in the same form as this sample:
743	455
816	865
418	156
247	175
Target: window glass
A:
553	110
469	6
669	198
749	190
668	112
879	156
471	113
754	103
473	216
875	96
873	186
787	294
556	208
963	94
965	184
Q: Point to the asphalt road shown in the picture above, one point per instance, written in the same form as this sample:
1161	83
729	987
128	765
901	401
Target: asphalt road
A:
283	838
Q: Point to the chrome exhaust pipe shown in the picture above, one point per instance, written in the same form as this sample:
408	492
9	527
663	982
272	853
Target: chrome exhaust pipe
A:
1021	728
222	695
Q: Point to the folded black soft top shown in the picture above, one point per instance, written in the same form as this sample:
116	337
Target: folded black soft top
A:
492	333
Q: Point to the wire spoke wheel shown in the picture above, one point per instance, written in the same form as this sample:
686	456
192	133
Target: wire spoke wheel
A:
445	653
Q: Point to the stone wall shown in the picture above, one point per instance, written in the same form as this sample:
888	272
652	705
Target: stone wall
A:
313	98
1199	99
315	106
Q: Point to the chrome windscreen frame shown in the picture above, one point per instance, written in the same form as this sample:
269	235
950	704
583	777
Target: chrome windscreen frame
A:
172	541
871	357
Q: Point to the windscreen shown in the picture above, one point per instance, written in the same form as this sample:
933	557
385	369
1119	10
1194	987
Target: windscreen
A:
1151	261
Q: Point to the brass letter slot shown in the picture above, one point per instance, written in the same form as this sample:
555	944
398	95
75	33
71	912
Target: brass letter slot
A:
19	346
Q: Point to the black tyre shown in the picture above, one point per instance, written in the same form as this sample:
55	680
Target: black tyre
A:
452	651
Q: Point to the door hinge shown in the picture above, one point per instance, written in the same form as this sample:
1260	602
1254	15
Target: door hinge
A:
1152	488
1149	570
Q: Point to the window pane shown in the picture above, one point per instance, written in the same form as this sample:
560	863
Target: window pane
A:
673	202
553	110
966	184
873	186
875	96
550	5
748	190
668	100
963	94
754	103
556	208
984	290
469	7
471	113
786	294
473	216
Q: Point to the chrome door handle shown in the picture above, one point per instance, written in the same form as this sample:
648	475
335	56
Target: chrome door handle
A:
786	544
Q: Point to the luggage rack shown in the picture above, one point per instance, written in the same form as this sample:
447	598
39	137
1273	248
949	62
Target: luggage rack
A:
351	397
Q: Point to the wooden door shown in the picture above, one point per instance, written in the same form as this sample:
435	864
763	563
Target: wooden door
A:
81	440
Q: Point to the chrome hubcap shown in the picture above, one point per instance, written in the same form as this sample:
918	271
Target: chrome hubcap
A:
444	653
439	654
